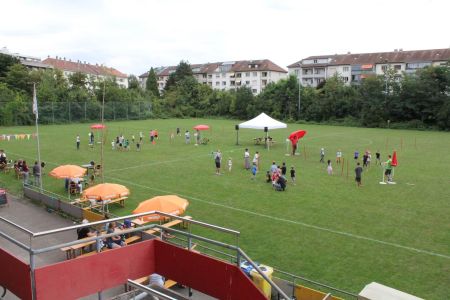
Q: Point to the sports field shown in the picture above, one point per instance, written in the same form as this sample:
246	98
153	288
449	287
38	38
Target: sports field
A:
323	228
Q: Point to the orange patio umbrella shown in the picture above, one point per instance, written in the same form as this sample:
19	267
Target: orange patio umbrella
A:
68	171
170	204
106	191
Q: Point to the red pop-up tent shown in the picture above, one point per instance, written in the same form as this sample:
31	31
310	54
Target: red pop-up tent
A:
98	126
201	127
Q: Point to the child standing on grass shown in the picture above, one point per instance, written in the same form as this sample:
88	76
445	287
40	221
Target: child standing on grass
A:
230	164
254	170
322	155
329	168
338	156
293	175
358	172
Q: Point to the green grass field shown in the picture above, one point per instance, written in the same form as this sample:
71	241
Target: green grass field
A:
323	228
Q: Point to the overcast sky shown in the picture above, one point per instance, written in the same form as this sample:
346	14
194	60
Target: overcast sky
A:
133	35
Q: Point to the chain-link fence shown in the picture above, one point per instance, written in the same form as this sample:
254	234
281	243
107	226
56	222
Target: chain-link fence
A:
68	112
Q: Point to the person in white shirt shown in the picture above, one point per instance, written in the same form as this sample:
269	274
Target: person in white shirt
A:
338	156
247	159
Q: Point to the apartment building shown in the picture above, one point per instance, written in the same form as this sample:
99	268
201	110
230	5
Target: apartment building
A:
255	74
31	62
353	68
93	72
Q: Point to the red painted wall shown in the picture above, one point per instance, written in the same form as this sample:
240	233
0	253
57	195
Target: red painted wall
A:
213	277
87	275
15	275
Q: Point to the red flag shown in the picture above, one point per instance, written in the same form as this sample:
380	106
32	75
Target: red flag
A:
394	159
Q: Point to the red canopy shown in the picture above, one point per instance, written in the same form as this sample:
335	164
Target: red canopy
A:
394	162
201	127
98	126
296	135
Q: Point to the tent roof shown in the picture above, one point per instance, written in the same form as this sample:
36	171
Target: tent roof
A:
262	121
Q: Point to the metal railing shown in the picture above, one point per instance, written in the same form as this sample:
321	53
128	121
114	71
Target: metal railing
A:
149	290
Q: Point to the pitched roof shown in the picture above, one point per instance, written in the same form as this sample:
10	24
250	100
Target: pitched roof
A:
86	68
262	65
382	57
237	66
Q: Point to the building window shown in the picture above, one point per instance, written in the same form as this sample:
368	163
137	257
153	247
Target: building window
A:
315	61
345	69
238	75
264	74
217	75
224	83
209	76
384	68
254	91
345	79
217	83
232	83
255	74
247	74
204	75
397	67
224	75
264	82
247	82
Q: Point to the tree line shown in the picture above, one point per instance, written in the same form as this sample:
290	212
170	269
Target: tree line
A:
420	100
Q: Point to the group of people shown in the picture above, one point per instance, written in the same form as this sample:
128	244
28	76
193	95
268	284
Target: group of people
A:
277	175
21	167
112	242
197	137
366	161
121	143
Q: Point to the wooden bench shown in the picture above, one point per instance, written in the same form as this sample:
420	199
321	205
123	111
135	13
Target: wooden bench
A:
104	203
168	225
132	239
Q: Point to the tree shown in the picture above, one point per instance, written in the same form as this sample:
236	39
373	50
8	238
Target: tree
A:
18	78
6	61
182	71
133	82
78	79
151	84
244	103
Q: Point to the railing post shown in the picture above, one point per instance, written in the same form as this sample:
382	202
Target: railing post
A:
32	267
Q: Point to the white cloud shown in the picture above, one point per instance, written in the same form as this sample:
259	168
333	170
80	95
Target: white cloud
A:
134	35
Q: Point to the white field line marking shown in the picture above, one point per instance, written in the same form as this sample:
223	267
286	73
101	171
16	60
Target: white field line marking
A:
290	221
283	220
167	161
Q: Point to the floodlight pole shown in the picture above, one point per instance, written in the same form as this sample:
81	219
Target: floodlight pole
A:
103	128
298	112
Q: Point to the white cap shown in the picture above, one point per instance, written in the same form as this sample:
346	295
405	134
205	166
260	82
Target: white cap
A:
84	221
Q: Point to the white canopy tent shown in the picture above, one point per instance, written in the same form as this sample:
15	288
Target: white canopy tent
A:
262	122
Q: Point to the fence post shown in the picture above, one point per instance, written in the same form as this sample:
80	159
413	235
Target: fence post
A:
53	113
